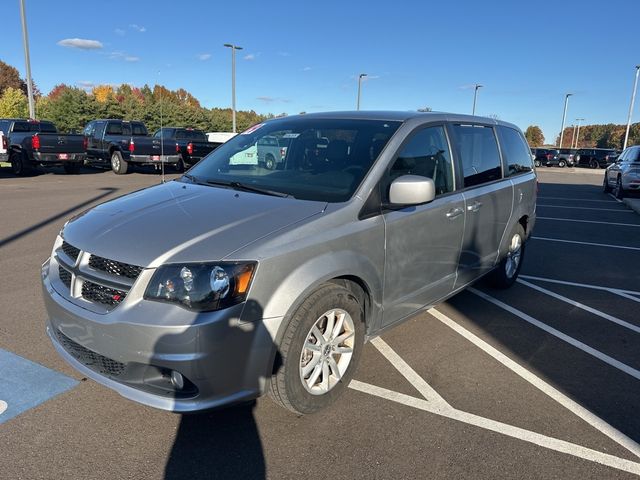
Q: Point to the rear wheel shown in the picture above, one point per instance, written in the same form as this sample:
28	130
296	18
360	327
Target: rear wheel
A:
20	164
118	164
72	168
593	164
180	166
320	350
537	163
562	164
507	271
270	162
618	191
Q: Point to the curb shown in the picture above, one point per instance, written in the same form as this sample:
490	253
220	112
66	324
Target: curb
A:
633	204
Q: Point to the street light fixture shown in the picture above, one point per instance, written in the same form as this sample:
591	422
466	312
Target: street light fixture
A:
233	81
25	41
578	133
360	77
564	115
475	96
633	99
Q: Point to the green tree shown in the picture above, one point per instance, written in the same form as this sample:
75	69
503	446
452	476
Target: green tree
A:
534	136
13	103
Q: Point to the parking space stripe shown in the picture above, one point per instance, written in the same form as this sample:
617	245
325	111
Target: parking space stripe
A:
581	306
616	291
409	373
623	367
616	199
585	243
502	428
593	420
575	199
621	210
590	221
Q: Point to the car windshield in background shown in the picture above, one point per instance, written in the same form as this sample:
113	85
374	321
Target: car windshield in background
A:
309	159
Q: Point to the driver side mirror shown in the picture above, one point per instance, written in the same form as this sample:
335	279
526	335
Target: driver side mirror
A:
411	190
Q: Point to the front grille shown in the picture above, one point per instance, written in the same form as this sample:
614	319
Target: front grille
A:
101	294
114	268
70	250
65	276
94	361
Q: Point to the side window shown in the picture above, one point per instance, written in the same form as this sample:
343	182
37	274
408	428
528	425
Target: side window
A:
427	154
89	129
634	155
516	151
114	129
4	126
479	153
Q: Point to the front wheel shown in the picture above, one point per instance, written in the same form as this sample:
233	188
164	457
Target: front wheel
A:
118	164
320	350
605	185
562	164
618	191
593	164
509	267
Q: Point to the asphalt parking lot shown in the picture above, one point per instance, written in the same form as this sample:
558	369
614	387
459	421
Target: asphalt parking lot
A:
540	381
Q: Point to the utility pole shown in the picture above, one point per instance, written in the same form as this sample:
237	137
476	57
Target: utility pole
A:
475	96
233	82
564	115
633	99
25	41
578	133
360	77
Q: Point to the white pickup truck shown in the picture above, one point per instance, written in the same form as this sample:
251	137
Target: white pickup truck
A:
3	147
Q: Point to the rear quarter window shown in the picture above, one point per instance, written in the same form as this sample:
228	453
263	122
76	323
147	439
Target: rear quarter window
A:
479	153
515	151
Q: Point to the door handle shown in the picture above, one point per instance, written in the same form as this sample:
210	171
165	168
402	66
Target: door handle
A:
453	213
474	207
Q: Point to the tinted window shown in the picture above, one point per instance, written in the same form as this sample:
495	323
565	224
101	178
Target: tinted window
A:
89	129
4	126
164	133
479	153
427	154
634	155
21	127
47	127
326	159
515	150
114	129
138	129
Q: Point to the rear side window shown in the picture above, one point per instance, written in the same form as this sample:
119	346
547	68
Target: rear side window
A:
21	127
427	154
515	150
138	129
47	127
479	154
114	129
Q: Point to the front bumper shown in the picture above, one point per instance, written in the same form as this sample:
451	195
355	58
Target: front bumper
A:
134	348
154	159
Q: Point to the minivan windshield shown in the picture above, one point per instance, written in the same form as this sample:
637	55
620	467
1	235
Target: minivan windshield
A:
306	158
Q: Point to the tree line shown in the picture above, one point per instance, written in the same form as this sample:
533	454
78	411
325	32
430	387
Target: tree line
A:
71	108
608	135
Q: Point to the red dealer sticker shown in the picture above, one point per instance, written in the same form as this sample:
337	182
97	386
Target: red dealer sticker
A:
252	129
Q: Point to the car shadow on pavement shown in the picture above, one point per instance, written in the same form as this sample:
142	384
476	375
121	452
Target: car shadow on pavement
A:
224	442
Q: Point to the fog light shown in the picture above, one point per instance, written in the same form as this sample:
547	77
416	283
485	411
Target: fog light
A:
177	380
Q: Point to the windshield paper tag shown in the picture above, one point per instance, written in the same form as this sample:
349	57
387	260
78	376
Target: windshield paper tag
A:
252	129
291	135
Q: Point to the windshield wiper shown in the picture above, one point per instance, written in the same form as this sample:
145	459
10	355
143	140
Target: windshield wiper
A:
248	188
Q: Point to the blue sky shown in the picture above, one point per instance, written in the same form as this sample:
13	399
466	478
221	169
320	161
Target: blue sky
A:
305	56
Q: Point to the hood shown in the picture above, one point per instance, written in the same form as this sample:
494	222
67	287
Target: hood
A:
182	222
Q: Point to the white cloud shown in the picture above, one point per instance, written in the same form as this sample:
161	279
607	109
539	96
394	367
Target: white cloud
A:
123	56
284	54
120	32
86	85
137	27
81	43
251	56
131	58
306	69
266	99
204	56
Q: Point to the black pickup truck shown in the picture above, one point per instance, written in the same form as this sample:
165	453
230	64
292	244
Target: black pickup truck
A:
32	142
123	143
190	144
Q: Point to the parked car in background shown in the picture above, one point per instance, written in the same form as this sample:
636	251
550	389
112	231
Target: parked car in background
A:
566	155
595	157
31	142
547	156
624	175
121	142
272	151
191	145
4	147
236	280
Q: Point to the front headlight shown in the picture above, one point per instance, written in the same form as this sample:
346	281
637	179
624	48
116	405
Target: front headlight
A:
201	287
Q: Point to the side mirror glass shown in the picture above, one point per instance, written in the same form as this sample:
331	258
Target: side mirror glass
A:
411	190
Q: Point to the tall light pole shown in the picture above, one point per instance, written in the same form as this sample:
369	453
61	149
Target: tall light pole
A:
475	97
578	133
25	41
233	81
573	135
360	77
633	99
564	115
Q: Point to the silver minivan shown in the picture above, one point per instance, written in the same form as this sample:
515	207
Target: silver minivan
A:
236	280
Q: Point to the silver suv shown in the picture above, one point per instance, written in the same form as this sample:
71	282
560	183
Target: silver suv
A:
236	280
624	175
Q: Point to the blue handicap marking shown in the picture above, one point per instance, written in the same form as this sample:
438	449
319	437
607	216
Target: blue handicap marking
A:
25	384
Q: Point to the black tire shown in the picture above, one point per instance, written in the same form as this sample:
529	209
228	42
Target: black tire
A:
269	162
537	163
286	386
180	166
72	168
618	191
605	185
503	276
20	164
118	164
562	164
593	164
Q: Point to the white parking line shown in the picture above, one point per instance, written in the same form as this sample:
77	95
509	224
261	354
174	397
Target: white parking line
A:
622	210
589	221
574	199
585	243
410	374
614	197
623	367
502	428
616	291
593	420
